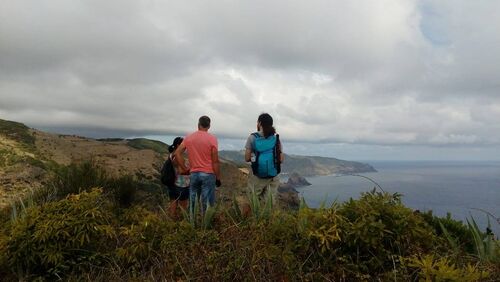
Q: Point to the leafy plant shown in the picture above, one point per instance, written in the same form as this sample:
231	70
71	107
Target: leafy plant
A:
261	208
379	228
77	177
61	236
486	247
442	269
456	233
140	236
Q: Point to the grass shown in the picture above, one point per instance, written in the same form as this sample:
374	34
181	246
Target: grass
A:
17	132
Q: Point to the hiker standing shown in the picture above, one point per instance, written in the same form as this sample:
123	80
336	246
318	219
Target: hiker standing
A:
263	150
203	155
179	192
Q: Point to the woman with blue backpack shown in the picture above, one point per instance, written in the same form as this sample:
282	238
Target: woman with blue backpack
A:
263	149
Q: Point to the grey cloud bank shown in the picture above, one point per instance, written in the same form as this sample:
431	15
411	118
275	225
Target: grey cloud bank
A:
382	73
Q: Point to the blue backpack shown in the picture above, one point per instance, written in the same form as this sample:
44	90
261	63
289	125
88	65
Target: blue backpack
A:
267	156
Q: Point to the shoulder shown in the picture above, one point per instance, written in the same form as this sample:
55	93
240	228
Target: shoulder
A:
190	136
211	137
254	135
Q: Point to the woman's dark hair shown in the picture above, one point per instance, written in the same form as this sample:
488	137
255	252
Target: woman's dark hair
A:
266	122
175	144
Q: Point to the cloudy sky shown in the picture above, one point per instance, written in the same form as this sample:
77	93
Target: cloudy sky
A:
385	79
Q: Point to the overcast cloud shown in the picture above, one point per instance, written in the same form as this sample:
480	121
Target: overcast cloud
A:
386	72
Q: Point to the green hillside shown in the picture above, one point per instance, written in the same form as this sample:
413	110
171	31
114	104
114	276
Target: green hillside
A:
143	143
18	132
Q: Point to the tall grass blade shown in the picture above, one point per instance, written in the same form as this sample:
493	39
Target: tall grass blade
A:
208	216
452	241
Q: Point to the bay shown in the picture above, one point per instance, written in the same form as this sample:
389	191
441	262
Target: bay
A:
459	188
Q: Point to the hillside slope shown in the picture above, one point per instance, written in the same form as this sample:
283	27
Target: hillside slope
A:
27	157
308	165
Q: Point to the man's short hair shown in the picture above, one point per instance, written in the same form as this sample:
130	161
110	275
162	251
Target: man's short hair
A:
204	122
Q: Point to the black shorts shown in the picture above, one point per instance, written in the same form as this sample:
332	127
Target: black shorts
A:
178	193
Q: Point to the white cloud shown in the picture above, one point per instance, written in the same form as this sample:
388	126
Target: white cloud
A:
377	72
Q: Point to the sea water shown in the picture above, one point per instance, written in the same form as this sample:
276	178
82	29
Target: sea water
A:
463	189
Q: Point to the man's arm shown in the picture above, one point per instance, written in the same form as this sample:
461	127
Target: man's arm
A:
215	162
179	158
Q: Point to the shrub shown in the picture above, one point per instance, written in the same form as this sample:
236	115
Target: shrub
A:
379	229
430	268
63	236
78	177
122	190
140	237
454	230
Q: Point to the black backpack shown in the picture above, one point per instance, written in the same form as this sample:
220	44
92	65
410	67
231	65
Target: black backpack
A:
167	174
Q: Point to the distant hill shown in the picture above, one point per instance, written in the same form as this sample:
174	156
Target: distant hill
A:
307	165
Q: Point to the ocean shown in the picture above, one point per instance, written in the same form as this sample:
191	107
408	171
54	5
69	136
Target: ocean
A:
460	188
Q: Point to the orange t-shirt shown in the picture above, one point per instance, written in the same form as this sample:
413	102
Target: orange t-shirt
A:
199	146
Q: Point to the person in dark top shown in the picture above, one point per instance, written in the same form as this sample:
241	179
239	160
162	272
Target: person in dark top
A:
179	193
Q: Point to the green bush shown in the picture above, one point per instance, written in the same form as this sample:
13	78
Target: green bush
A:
380	229
83	176
123	190
60	237
457	230
78	177
430	268
140	237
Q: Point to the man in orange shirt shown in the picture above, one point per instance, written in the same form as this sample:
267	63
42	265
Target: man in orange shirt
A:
203	155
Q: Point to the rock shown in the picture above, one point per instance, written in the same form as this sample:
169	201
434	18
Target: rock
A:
296	180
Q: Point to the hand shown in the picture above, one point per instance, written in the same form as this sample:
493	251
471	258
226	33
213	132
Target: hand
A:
218	183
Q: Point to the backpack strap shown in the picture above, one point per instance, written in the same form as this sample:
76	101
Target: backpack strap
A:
277	153
256	135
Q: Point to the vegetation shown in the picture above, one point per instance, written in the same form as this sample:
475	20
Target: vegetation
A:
143	143
78	229
17	132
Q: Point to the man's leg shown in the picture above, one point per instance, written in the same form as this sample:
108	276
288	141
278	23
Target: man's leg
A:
194	191
207	191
